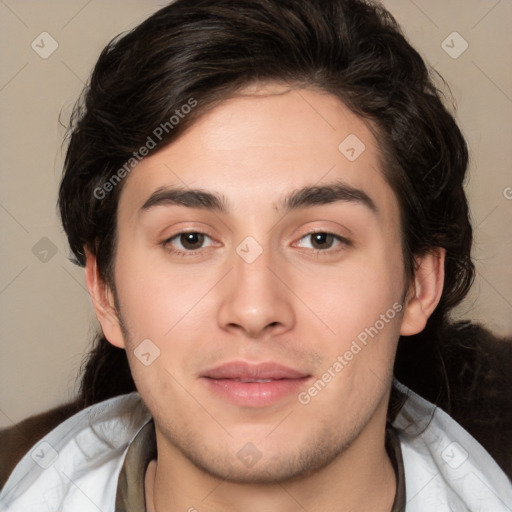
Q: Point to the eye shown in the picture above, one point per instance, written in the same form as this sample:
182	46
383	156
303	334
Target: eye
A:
187	242
321	241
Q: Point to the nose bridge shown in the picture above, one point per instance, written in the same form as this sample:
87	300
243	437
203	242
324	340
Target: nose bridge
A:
252	268
254	299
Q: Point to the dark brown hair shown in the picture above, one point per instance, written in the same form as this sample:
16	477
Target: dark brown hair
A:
206	50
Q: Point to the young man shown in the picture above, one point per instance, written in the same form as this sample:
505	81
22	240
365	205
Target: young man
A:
267	197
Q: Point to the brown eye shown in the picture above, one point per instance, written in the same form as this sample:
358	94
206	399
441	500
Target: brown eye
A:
322	240
191	241
187	242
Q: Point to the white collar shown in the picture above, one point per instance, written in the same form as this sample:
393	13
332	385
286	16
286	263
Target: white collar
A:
76	466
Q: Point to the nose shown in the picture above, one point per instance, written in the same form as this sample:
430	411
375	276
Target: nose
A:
255	299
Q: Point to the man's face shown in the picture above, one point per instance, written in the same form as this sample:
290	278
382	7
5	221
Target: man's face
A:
313	285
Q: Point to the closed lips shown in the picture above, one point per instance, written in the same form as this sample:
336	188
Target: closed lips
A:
246	372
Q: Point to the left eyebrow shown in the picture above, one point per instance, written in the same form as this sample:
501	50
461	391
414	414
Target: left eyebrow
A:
326	194
301	198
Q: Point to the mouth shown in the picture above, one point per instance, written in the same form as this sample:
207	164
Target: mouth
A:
254	380
253	385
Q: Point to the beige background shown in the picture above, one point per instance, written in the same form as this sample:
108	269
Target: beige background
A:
46	317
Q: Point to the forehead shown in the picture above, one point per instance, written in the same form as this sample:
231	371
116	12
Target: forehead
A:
257	146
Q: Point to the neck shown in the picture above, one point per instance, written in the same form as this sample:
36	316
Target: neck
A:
360	478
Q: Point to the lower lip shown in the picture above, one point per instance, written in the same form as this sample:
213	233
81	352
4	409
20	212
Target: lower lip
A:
255	394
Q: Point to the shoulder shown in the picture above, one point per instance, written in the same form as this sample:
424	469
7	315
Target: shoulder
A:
444	465
88	447
15	441
466	370
479	368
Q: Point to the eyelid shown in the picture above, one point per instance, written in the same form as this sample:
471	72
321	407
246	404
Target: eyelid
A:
343	241
166	243
184	232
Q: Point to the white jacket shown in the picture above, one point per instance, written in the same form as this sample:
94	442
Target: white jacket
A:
75	468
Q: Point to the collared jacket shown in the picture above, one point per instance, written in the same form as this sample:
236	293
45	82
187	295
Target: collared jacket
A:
95	460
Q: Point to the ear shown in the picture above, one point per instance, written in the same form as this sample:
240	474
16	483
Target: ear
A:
103	302
424	293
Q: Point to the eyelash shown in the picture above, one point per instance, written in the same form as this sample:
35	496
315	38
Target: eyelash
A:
167	244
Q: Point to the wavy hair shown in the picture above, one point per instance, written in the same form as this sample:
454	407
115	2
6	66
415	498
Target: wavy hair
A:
208	50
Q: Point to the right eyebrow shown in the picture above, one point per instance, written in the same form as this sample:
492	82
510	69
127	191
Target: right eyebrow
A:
191	198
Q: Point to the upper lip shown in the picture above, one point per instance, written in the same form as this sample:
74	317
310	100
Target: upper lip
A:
258	371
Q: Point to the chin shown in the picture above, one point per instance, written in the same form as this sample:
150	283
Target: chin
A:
268	464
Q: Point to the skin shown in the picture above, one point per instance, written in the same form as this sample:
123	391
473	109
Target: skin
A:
291	305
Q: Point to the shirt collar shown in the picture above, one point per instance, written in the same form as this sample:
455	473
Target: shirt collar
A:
130	496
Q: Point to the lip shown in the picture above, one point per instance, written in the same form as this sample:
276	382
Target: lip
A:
244	370
253	385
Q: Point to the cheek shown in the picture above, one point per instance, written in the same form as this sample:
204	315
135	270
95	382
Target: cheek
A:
156	296
360	302
357	355
354	294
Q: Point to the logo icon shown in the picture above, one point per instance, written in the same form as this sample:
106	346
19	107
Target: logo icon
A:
146	352
351	147
249	249
249	455
454	455
454	45
44	45
44	250
44	455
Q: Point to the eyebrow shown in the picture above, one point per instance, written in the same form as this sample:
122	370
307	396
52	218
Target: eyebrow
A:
304	197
